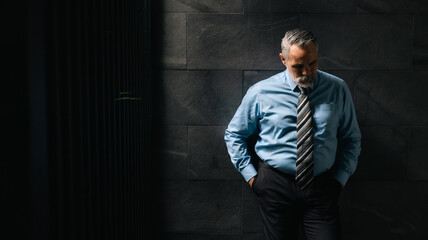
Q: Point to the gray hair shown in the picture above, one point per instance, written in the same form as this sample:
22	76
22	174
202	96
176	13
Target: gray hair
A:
297	37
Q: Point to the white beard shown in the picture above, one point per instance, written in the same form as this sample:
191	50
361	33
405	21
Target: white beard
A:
304	81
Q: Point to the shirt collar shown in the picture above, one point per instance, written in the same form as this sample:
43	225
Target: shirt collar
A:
293	86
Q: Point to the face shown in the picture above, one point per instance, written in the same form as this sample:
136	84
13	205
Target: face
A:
302	64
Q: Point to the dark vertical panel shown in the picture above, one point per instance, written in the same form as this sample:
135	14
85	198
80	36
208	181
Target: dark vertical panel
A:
98	134
37	112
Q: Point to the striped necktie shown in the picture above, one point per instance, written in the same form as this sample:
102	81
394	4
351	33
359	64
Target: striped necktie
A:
305	162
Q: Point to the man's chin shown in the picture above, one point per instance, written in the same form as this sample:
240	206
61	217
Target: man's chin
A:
304	85
304	82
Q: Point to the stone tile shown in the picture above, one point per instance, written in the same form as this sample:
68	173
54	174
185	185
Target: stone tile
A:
200	97
417	203
384	153
357	42
206	6
174	152
216	41
236	41
251	212
381	6
391	98
418	165
416	6
173	41
386	210
304	6
254	236
208	156
203	206
214	237
420	43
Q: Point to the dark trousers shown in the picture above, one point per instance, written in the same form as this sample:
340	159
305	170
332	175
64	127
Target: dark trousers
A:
283	206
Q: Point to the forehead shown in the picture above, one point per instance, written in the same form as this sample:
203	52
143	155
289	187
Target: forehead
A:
306	53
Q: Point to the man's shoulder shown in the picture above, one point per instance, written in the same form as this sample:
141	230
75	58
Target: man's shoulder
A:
271	81
330	79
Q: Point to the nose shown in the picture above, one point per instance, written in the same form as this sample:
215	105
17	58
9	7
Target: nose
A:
306	70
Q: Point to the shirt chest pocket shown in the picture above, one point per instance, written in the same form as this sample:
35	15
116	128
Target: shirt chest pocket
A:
326	116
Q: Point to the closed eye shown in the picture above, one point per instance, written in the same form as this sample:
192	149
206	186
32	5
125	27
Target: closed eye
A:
300	66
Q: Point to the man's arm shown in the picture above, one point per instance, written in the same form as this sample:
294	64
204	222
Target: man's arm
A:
241	127
349	139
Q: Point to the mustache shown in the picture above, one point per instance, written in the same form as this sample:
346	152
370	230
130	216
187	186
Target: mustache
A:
305	78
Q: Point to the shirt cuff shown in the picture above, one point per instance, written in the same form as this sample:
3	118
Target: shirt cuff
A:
342	176
249	172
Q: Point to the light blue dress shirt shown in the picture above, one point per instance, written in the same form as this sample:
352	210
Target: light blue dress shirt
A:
270	109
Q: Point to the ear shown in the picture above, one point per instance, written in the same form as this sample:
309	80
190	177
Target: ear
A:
282	59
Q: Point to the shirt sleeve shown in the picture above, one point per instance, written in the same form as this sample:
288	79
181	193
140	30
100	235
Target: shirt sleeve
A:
241	127
349	140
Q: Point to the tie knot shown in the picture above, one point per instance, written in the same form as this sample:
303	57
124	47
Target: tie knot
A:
303	91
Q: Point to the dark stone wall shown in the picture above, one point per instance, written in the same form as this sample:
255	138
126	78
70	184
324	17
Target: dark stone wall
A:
212	51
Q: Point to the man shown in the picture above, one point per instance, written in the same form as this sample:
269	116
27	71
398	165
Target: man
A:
303	117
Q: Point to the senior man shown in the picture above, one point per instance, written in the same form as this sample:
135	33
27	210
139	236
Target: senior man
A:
302	118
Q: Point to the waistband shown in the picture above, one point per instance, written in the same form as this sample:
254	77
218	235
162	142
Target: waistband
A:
326	174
